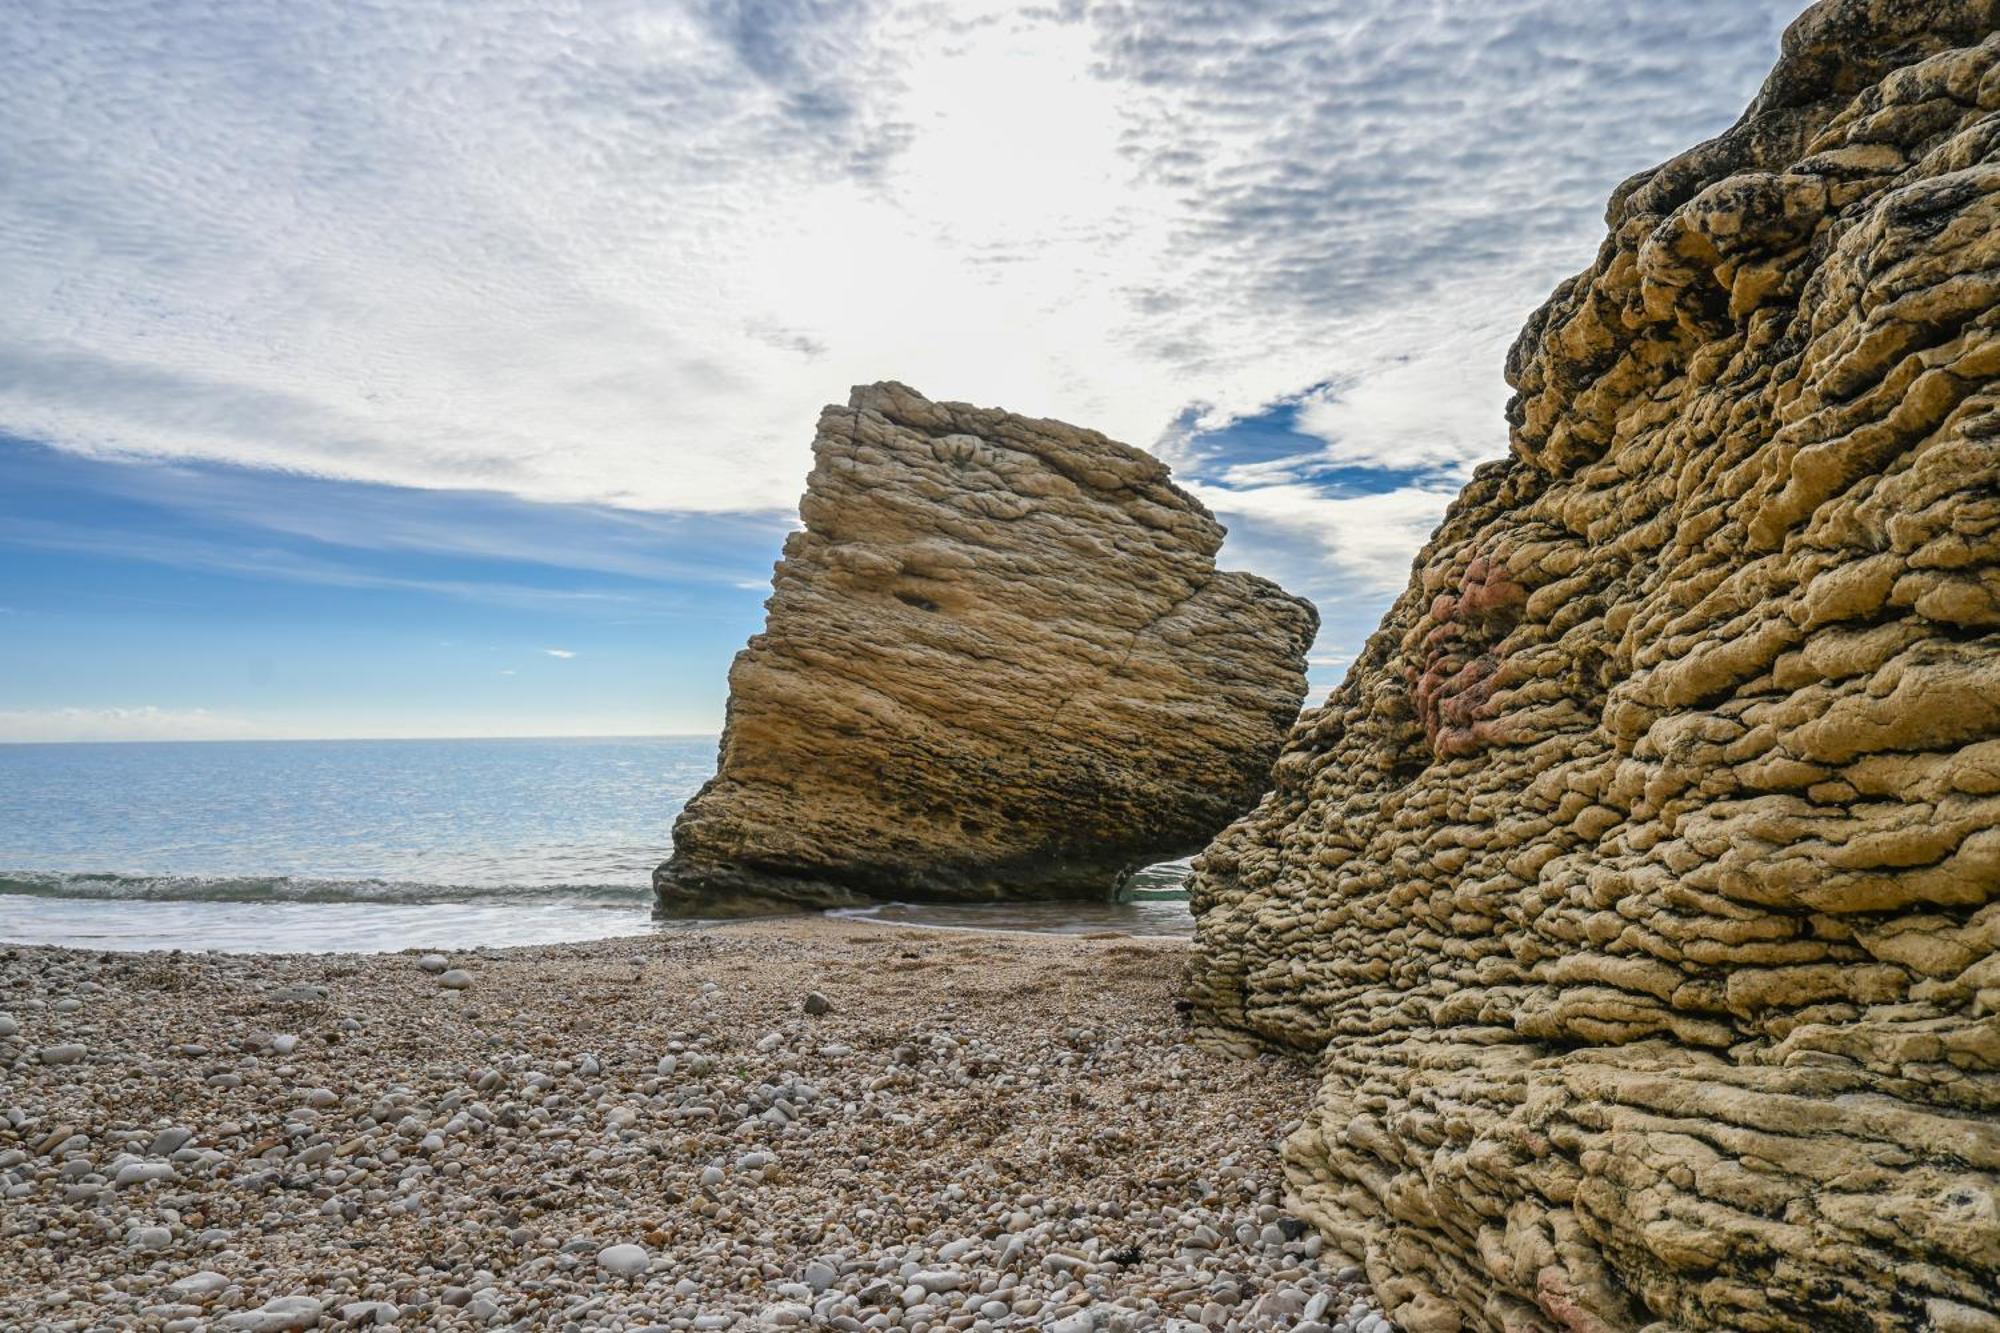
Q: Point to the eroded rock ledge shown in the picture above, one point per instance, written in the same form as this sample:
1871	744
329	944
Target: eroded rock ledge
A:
999	663
1639	883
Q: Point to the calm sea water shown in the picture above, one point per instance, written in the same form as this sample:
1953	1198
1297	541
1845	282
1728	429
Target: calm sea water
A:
286	846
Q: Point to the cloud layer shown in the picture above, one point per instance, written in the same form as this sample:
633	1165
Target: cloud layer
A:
620	253
140	723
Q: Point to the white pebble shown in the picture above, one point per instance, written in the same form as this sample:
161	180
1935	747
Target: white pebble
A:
624	1260
277	1315
784	1315
204	1283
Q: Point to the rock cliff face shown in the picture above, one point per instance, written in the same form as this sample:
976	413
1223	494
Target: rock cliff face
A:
1639	885
999	664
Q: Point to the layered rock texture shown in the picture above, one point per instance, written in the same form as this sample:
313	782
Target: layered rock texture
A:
1639	885
999	663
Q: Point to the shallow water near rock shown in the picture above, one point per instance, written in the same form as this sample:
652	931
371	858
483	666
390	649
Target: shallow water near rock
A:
367	846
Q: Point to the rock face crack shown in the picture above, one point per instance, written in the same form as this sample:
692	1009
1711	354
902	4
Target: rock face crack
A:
1641	885
948	700
1117	669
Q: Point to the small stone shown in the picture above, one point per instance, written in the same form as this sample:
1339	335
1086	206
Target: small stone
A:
142	1173
195	1285
456	979
299	994
65	1053
169	1141
363	1313
624	1260
1284	1303
149	1238
277	1315
817	1003
433	962
9	1025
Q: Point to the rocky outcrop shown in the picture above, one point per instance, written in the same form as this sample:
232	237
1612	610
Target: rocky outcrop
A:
1639	885
999	663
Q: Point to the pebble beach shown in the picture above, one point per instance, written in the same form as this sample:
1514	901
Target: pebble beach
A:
799	1123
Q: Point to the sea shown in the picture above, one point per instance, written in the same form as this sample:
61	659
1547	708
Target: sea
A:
370	846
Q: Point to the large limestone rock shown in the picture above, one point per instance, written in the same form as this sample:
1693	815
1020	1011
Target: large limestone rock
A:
1639	885
999	664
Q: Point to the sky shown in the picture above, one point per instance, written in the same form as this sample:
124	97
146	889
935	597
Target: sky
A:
439	369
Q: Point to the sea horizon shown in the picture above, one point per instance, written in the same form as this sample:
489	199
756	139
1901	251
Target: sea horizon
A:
367	844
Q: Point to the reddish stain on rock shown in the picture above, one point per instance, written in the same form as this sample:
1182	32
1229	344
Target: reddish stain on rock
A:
1461	664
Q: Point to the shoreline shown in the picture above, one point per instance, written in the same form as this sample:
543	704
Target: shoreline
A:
372	926
984	1130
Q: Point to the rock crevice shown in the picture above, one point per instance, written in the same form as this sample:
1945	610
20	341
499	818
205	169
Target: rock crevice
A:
999	663
1641	884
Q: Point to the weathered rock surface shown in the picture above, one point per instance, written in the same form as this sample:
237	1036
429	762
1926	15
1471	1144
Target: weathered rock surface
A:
999	663
1639	883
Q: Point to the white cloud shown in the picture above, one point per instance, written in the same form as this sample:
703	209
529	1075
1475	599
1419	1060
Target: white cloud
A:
274	562
143	723
624	255
563	653
1369	538
1410	398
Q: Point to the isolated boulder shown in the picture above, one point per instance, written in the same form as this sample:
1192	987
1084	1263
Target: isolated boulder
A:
999	663
1638	888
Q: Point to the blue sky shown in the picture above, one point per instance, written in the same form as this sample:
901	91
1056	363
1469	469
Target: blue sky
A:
451	368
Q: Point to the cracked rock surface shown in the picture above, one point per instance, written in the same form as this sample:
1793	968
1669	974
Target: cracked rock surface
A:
999	663
1638	885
